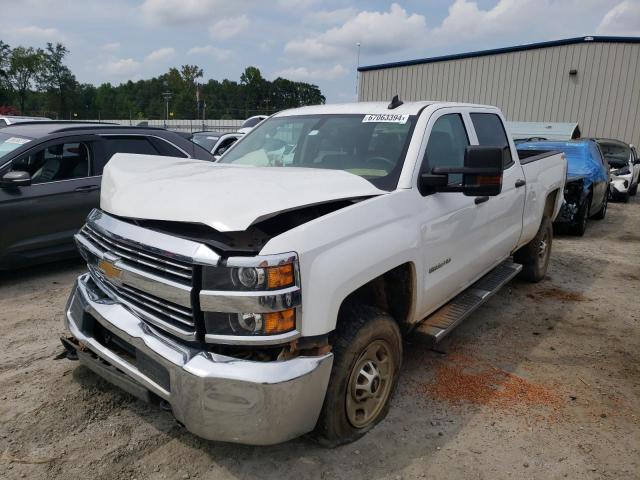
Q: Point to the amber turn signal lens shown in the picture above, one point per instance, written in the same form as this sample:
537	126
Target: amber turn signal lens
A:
279	322
280	276
488	179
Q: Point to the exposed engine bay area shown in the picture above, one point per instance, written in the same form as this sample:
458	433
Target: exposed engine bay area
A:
252	240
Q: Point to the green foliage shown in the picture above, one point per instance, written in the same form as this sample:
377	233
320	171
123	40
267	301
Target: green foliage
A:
37	81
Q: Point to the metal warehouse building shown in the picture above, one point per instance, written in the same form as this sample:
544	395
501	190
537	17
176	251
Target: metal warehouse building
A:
594	81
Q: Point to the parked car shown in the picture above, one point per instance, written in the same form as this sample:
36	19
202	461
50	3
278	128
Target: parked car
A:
13	119
277	291
50	175
251	122
625	167
586	192
216	142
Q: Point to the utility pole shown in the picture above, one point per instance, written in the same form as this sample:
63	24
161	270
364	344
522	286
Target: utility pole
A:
167	96
357	67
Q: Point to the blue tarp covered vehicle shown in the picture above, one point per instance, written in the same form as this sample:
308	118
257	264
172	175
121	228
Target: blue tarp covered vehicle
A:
587	189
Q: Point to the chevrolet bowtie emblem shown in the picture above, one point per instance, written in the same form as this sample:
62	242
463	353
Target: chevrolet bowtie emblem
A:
110	271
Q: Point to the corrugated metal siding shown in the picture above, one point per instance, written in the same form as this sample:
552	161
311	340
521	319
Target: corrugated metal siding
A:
531	85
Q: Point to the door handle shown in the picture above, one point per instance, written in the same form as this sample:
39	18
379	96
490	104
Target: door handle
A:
479	200
520	183
87	188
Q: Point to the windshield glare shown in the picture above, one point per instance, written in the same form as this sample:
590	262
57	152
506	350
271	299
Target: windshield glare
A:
8	143
370	149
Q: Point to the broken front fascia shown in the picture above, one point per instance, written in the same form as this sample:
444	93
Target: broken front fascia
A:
157	276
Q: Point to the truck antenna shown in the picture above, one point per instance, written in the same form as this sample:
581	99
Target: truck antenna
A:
395	103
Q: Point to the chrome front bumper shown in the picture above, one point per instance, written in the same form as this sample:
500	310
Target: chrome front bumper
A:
216	397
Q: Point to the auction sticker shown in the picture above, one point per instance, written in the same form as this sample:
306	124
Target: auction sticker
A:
18	140
385	117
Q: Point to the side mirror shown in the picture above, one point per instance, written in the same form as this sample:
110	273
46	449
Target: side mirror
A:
15	179
481	174
485	169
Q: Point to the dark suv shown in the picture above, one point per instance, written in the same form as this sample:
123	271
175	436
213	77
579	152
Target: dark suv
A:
50	176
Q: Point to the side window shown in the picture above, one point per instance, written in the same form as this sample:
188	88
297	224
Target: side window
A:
126	144
129	144
446	146
63	161
167	148
491	133
225	145
3	123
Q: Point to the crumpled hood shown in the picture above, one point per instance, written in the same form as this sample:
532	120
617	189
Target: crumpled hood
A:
225	197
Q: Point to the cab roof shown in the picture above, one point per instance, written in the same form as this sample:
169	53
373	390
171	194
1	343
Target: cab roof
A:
407	108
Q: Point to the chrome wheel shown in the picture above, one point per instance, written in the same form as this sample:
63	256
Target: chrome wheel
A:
370	384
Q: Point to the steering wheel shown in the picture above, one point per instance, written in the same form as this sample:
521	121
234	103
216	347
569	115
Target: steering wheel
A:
380	159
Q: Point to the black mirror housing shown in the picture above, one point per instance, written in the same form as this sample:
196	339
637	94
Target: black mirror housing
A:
15	179
485	168
481	174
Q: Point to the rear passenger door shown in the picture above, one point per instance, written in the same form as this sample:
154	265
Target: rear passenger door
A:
502	214
45	215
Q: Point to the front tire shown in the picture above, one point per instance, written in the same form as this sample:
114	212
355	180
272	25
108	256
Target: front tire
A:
367	348
535	255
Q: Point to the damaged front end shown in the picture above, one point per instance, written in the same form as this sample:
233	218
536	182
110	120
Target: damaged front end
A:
216	337
575	193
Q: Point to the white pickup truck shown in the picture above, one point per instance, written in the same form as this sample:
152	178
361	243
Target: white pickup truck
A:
263	297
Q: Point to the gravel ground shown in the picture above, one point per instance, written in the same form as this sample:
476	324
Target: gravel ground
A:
541	382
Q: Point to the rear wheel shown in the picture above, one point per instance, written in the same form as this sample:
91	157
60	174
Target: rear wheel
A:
535	255
367	352
579	225
603	210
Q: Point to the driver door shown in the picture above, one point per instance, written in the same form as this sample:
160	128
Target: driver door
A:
44	216
451	246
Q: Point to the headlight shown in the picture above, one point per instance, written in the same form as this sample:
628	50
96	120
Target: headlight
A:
247	324
248	278
251	296
622	171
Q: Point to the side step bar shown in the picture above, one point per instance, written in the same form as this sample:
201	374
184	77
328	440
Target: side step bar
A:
446	318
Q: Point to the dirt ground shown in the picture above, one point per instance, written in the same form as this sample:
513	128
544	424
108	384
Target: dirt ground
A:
541	382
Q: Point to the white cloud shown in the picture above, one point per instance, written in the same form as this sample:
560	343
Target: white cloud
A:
330	17
160	55
123	67
33	33
172	12
296	4
313	75
378	32
219	54
623	19
314	48
229	27
110	47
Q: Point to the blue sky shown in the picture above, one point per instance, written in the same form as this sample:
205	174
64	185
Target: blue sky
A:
308	40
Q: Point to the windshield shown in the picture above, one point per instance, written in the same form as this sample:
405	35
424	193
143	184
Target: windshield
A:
617	155
8	143
205	141
370	146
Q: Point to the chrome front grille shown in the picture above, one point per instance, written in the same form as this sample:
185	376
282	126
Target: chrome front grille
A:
147	271
150	307
176	270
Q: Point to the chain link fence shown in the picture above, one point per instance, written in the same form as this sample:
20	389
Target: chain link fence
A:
182	125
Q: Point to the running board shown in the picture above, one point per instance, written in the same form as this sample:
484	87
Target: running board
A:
446	318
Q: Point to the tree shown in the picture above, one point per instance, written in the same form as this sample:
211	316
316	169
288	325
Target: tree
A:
24	66
55	77
5	55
